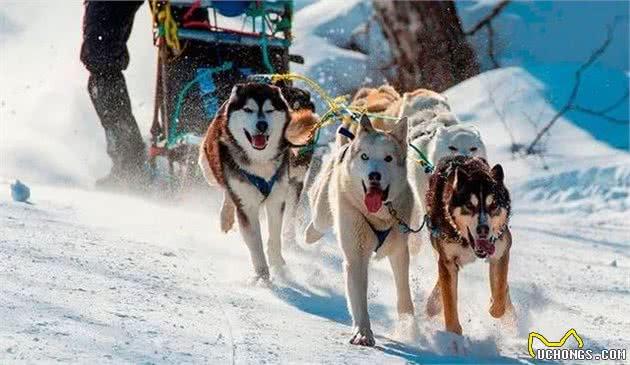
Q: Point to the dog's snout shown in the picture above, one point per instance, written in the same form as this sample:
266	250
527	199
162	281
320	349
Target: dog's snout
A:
262	126
483	230
374	176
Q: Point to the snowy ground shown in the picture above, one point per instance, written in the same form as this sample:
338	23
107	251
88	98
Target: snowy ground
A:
93	277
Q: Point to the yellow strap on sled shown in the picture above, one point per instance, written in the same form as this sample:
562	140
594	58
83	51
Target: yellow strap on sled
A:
167	27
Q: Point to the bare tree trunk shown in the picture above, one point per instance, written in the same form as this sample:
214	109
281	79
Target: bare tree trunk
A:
428	44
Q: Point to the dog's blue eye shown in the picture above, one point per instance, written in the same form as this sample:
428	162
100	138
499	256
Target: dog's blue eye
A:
248	110
388	158
364	157
270	111
473	149
454	149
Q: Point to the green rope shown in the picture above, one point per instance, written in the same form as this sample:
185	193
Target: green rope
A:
173	136
424	160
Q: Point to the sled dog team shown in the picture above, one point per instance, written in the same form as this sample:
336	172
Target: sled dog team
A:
371	184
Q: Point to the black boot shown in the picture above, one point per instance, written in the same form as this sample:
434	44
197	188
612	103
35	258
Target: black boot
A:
125	146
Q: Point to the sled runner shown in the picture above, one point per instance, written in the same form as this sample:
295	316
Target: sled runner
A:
200	59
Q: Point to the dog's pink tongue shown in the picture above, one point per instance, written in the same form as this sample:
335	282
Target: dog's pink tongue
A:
259	140
373	200
486	246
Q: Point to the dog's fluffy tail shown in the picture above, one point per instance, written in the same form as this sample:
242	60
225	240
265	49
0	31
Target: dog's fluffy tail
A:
302	126
204	165
376	100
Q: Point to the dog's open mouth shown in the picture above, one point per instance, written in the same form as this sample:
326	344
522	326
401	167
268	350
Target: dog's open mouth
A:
258	141
481	246
374	196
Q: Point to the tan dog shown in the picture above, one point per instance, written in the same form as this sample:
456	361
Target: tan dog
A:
374	100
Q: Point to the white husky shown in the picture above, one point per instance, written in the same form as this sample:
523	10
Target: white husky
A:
355	186
435	130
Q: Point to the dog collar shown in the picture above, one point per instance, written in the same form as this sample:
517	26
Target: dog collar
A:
381	236
263	186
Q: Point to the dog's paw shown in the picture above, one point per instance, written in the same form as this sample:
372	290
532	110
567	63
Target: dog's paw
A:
312	235
455	328
261	278
363	337
276	261
227	220
497	310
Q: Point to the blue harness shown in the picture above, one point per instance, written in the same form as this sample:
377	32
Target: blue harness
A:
261	184
381	236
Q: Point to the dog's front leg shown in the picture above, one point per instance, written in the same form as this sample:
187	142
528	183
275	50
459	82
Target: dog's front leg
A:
447	272
356	270
249	225
275	208
500	300
399	260
228	209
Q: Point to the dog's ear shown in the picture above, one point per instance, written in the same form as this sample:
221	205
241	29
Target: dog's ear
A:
457	177
235	91
400	131
365	126
222	110
279	101
497	173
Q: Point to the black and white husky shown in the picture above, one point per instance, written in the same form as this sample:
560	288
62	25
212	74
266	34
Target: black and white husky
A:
246	152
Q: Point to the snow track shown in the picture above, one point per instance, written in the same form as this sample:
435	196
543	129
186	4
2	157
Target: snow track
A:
82	284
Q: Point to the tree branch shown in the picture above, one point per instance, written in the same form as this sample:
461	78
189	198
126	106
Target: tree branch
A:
601	115
493	58
571	101
485	21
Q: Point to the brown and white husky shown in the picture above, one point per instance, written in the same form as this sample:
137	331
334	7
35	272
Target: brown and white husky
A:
468	207
247	153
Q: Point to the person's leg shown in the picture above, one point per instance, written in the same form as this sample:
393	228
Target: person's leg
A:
106	29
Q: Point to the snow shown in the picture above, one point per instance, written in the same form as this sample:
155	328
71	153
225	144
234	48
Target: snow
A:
103	278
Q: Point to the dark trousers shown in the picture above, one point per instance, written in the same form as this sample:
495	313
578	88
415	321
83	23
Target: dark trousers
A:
106	28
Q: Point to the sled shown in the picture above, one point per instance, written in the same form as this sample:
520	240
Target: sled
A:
199	61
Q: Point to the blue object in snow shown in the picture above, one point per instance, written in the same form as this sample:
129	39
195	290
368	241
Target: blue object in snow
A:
20	192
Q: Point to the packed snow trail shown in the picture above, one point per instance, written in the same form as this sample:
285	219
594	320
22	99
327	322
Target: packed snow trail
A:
94	277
